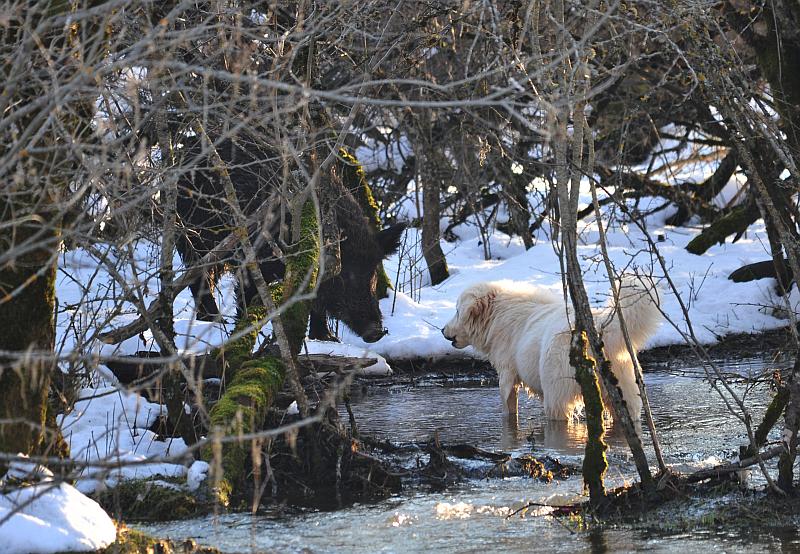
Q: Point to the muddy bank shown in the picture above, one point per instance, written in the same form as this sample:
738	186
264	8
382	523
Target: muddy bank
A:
722	507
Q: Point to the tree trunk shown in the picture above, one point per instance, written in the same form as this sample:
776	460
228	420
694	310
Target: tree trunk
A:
354	179
431	248
27	305
31	210
568	177
250	389
432	172
302	265
172	385
595	463
516	192
791	425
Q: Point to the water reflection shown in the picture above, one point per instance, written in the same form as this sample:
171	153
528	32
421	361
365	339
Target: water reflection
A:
597	541
692	420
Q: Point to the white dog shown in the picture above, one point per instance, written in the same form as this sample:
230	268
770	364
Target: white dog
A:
525	332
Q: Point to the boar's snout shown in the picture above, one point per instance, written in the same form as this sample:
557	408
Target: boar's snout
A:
374	334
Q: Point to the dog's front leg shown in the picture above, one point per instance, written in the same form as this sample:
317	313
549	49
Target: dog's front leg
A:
508	392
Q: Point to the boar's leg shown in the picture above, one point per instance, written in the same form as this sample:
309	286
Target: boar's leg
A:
205	305
318	326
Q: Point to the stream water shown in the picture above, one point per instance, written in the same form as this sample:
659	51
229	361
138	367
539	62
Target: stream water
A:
695	429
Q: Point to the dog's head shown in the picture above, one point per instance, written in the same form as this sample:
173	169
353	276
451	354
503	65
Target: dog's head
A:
473	312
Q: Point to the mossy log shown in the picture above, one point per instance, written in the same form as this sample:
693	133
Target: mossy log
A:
302	264
595	463
771	416
355	179
735	222
251	388
241	410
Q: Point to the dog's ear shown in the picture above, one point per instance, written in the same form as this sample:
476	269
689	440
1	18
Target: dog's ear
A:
480	308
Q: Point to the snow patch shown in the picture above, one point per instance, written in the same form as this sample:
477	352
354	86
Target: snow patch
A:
51	517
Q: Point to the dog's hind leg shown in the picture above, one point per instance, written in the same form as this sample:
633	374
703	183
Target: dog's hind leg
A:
561	401
561	394
509	383
623	369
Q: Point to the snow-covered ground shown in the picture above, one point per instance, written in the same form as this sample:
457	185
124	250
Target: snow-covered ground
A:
50	516
109	423
716	305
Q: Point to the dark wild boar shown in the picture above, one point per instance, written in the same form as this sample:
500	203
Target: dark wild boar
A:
256	173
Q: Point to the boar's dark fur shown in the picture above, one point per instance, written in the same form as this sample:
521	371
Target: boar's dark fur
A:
256	173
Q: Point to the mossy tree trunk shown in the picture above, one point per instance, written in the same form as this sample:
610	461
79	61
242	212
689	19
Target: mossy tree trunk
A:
41	153
574	83
595	463
771	417
302	267
355	179
27	305
252	384
568	194
250	389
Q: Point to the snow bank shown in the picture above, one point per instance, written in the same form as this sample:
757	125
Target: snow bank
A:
108	424
51	517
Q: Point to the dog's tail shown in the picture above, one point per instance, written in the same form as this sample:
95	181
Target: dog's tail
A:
639	301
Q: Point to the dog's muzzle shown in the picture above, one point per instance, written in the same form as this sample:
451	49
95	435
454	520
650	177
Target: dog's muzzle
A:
451	339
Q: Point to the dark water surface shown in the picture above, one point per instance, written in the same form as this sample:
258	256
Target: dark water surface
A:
695	428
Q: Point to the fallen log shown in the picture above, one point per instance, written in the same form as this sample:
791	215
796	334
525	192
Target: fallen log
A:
761	270
733	467
735	222
142	366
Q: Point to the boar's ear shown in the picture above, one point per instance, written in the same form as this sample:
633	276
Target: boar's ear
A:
389	238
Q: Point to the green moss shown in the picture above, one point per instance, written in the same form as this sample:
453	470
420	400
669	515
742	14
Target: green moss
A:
241	410
355	179
302	259
252	383
595	463
148	501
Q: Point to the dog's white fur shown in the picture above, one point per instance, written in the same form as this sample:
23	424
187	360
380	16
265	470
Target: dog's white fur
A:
525	333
